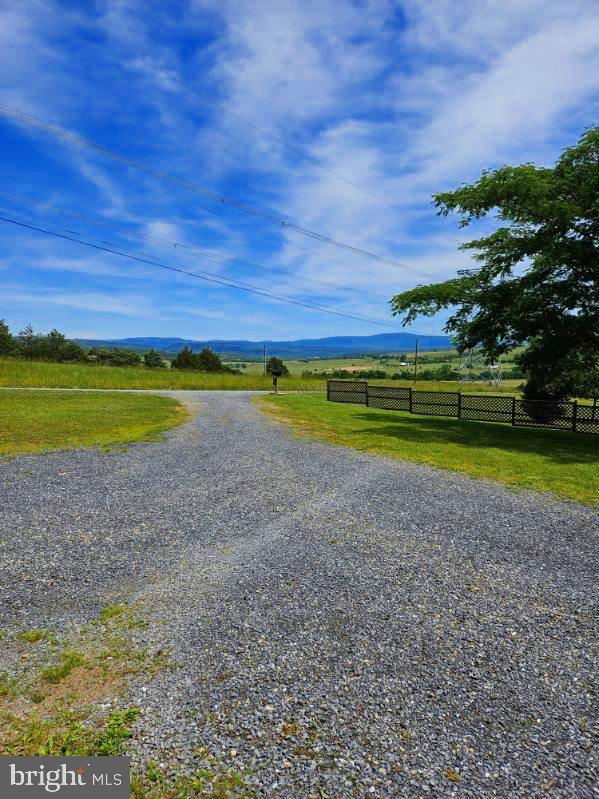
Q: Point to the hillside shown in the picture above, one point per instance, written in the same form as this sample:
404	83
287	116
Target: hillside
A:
301	348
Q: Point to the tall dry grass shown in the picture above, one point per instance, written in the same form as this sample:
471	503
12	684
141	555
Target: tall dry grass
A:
38	374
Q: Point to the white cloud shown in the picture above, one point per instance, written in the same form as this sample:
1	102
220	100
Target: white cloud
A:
403	99
206	313
97	302
513	105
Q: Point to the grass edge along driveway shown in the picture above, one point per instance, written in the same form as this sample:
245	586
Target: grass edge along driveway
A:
39	421
563	463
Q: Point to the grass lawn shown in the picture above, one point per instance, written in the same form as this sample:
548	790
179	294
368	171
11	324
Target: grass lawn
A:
566	464
37	374
36	421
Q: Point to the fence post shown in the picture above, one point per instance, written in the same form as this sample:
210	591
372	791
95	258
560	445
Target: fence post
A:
410	398
459	404
328	390
367	387
574	414
513	411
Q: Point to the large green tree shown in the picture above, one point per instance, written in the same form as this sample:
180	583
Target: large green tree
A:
536	281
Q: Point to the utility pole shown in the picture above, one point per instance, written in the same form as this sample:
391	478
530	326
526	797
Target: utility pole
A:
264	358
416	362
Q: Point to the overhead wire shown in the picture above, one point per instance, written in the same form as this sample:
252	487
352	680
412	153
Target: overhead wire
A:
159	174
206	276
239	263
270	235
278	140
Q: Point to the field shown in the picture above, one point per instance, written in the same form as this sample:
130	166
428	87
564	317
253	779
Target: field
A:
35	374
432	359
36	421
563	463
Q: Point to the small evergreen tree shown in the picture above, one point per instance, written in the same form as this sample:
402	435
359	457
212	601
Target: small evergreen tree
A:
209	361
29	343
56	347
185	359
8	344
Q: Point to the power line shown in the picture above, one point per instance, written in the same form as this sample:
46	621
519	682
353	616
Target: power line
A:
276	237
73	138
313	253
292	148
178	246
206	276
268	195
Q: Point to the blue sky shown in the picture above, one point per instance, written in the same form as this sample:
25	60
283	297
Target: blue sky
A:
402	98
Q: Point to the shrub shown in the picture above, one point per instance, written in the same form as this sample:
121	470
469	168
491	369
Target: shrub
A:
117	356
53	346
153	360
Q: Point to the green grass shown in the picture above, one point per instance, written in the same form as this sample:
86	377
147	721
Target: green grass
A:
566	464
37	374
428	359
33	636
55	702
68	662
36	421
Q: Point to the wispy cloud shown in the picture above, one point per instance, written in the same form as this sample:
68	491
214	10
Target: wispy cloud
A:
403	98
125	305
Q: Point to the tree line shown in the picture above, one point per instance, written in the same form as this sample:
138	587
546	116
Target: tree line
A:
55	346
444	372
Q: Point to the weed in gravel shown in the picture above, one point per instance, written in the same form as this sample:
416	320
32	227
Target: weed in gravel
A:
123	617
213	781
33	636
110	611
66	734
7	684
68	662
56	701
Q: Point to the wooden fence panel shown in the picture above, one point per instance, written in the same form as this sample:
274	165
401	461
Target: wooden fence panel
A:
474	407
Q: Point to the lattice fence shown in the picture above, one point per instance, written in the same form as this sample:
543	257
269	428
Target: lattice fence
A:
536	413
389	398
587	419
347	391
473	407
435	403
483	408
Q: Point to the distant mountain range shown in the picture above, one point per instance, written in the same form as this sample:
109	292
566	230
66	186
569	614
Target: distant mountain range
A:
330	347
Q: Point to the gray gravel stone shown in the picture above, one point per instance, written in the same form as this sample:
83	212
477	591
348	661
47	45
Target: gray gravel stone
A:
342	624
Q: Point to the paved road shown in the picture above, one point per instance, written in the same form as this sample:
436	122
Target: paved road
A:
345	625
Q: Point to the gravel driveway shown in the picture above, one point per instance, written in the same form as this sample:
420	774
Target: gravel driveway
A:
344	625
